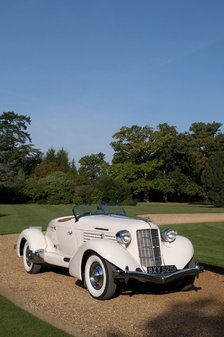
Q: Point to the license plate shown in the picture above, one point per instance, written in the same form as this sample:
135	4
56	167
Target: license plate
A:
161	269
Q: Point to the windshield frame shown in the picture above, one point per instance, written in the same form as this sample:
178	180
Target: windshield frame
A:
80	211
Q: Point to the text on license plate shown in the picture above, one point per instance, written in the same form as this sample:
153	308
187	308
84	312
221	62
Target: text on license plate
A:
161	269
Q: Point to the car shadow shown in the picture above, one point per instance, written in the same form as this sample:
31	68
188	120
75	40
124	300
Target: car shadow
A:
135	287
46	268
203	317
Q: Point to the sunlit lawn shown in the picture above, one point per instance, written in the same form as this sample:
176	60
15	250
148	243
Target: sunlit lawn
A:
14	218
17	322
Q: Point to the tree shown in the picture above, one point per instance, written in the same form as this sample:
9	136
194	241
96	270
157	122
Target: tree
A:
93	166
213	179
131	144
17	154
54	162
111	190
204	140
162	164
144	157
56	188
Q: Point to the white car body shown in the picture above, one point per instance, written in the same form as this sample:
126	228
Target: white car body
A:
105	249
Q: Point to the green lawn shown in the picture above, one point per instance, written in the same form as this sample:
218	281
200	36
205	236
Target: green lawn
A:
14	218
170	208
17	322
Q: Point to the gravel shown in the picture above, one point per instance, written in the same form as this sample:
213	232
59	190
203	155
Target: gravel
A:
59	299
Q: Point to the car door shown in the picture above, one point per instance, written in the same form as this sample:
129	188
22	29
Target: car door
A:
66	238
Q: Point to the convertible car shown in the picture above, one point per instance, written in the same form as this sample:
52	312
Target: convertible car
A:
104	248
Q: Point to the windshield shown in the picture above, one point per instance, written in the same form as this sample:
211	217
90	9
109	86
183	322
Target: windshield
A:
93	209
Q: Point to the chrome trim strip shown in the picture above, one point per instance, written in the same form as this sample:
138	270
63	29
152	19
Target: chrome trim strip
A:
157	278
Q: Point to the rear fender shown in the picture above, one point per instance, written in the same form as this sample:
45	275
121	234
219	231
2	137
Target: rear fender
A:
34	237
111	251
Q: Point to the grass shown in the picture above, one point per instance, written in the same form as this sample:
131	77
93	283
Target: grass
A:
17	322
207	239
171	208
14	218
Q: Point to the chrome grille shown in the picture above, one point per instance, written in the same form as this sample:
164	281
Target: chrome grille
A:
148	247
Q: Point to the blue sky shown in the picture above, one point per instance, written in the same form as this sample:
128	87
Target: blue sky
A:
82	69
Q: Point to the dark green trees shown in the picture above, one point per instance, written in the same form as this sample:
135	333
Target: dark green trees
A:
213	179
17	155
149	164
164	165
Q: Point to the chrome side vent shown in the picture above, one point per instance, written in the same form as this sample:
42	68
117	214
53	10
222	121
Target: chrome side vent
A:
96	235
149	247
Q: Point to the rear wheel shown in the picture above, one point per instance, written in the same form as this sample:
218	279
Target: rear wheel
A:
98	277
30	267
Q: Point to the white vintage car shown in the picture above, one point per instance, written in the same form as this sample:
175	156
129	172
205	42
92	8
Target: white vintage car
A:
104	248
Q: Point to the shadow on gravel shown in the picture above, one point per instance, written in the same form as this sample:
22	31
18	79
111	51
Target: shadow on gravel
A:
203	318
46	268
135	287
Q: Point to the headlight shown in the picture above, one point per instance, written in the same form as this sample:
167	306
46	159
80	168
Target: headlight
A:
123	237
168	235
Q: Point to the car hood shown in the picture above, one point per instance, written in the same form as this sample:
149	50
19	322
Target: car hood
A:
112	223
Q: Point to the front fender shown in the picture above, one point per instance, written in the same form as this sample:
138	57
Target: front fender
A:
34	237
179	252
112	251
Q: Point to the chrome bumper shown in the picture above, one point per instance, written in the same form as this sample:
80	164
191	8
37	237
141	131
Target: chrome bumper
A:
157	278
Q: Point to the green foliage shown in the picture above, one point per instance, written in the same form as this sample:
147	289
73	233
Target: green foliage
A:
55	188
162	164
131	144
55	161
148	165
213	179
83	194
17	155
113	190
93	166
204	139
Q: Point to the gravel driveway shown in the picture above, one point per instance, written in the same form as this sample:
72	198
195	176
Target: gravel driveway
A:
59	299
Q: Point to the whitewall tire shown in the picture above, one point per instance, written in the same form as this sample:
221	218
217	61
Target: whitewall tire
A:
29	266
98	277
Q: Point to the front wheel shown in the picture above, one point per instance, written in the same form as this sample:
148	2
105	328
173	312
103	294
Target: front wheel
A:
30	267
98	277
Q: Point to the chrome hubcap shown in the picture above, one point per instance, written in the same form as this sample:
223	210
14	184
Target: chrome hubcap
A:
28	261
96	275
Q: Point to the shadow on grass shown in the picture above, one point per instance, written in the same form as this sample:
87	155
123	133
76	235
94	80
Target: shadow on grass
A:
199	318
214	269
2	215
